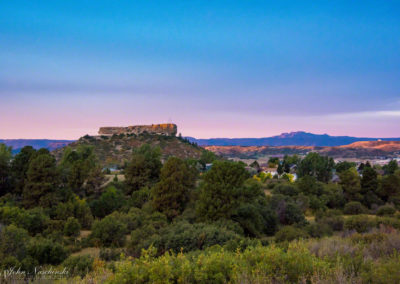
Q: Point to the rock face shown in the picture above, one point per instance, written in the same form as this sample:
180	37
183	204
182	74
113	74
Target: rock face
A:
168	129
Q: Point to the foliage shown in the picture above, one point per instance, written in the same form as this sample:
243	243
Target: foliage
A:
5	169
220	190
354	208
72	227
110	200
79	265
317	166
144	168
42	179
386	210
171	193
109	231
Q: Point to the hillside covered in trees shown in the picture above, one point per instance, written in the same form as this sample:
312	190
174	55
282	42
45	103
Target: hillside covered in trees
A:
172	219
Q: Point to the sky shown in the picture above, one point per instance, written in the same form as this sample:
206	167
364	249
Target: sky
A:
215	68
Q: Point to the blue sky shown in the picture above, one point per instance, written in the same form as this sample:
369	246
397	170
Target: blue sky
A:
216	68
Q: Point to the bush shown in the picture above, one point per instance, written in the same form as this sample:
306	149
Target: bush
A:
110	254
359	223
72	227
188	237
290	233
318	230
385	210
354	208
79	265
110	231
336	223
13	242
46	251
112	199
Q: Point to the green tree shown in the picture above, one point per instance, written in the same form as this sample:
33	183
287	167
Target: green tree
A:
369	186
344	166
317	166
220	190
391	167
350	182
5	169
42	180
72	227
109	231
390	187
171	193
20	166
112	199
77	165
144	168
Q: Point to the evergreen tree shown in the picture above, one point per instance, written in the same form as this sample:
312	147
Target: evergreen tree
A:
20	166
42	181
220	190
171	193
5	169
144	168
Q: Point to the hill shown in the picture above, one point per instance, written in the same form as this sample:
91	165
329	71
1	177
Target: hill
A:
116	149
299	138
363	149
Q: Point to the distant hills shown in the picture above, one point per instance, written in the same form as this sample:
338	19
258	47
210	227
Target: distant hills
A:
363	149
299	138
18	144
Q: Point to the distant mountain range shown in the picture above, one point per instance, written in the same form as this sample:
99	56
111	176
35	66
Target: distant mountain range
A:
18	144
299	138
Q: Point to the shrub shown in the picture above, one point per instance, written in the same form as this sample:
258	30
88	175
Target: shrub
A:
112	199
110	254
318	230
79	265
386	210
354	208
45	251
336	223
72	227
13	242
289	233
109	231
188	237
359	223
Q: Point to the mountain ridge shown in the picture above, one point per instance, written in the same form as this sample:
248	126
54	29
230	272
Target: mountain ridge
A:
295	138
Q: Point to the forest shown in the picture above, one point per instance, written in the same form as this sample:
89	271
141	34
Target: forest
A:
173	220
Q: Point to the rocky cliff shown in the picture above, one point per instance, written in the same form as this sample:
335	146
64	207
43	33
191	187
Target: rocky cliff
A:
168	129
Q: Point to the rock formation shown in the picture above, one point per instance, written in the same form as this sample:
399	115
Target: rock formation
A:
168	129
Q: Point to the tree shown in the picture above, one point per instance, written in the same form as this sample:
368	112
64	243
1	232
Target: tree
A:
109	231
42	180
170	194
77	165
344	166
5	169
317	166
72	227
390	187
391	167
144	168
369	186
350	182
112	199
220	190
20	166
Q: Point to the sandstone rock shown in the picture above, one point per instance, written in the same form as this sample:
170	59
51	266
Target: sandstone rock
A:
168	129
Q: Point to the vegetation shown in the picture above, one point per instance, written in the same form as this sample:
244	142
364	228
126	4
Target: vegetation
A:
174	220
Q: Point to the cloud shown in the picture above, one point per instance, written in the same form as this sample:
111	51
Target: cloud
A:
366	114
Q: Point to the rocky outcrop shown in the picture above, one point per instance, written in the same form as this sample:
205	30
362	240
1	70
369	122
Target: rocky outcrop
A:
168	129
